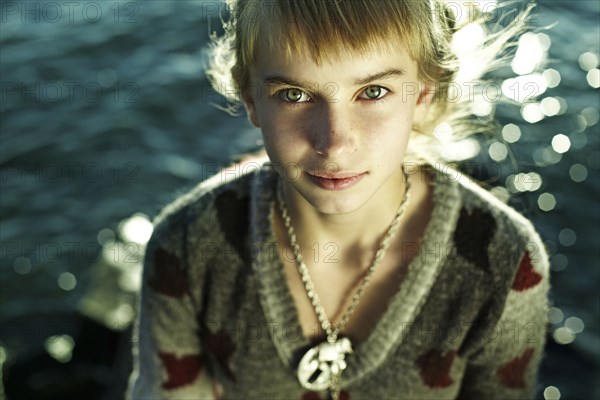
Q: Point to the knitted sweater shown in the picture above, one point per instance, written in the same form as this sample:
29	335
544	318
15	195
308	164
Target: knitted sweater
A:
217	319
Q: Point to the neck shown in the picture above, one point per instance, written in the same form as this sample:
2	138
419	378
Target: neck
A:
357	233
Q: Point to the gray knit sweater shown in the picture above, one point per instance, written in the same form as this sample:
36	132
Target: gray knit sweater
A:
217	319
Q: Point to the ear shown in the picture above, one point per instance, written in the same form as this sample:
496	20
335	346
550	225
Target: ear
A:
423	102
250	106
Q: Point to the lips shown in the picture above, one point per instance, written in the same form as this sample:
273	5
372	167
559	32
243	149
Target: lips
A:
337	180
333	175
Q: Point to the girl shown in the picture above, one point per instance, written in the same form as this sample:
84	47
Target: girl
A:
349	265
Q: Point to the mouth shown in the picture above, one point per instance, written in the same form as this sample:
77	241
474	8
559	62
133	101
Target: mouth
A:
335	181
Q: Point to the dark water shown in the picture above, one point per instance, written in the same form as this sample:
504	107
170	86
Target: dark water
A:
105	113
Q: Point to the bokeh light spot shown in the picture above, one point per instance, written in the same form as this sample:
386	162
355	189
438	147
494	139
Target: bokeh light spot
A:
501	193
105	235
564	106
550	106
532	113
498	151
544	156
465	43
546	201
550	156
137	229
67	281
60	347
590	115
588	61
555	315
574	324
544	40
593	78
567	237
461	150
563	335
561	143
551	393
468	38
531	52
525	182
580	123
120	317
552	77
578	140
532	181
22	265
578	172
511	133
482	108
524	88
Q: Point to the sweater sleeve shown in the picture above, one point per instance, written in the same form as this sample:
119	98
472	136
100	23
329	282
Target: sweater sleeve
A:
168	355
507	365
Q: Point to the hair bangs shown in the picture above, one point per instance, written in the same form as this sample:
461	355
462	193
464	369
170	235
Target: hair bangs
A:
328	29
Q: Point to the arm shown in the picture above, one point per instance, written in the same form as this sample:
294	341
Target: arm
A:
507	365
168	358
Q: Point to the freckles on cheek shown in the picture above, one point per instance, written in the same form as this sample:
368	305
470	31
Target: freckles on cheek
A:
386	132
289	130
279	139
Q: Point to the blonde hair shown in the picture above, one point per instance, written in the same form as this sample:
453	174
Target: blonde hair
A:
331	28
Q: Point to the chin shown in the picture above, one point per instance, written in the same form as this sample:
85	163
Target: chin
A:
334	203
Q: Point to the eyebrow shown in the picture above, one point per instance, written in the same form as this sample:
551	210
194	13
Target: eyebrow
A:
389	73
275	79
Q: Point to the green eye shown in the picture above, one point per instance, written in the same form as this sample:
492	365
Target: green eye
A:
293	95
373	92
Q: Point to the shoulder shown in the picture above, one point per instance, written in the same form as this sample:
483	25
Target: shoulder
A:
218	204
488	232
480	209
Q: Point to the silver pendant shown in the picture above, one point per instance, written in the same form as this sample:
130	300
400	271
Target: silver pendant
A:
321	366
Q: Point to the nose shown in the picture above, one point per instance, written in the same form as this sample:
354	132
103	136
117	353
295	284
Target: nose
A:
333	133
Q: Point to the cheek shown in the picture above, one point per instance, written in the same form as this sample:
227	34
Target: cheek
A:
283	141
281	128
388	130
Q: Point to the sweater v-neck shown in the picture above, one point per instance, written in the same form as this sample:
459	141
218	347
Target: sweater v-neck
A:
278	305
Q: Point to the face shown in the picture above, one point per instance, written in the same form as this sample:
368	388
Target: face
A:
337	132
